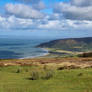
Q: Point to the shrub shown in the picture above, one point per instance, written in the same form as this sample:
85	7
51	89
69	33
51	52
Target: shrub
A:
61	68
48	74
18	71
45	68
35	75
26	70
44	73
86	54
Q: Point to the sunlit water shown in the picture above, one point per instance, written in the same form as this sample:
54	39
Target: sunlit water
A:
18	47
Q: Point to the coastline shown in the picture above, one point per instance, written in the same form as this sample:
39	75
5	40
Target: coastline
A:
38	56
58	53
48	53
50	59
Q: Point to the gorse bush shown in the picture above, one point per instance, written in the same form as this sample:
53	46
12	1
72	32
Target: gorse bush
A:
48	74
86	54
18	71
35	75
41	74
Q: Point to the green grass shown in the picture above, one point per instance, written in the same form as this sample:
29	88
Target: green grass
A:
77	80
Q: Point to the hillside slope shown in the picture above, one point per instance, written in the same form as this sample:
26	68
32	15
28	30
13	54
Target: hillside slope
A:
71	44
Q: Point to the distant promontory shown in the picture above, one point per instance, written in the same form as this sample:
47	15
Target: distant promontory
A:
70	44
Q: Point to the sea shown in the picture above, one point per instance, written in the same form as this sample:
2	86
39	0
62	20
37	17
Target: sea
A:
21	47
21	44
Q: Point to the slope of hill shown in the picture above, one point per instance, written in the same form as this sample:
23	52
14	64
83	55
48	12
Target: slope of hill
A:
71	44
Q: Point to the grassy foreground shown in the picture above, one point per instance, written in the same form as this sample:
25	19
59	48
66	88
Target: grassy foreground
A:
16	79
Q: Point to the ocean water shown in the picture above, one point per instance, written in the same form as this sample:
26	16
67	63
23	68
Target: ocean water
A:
21	47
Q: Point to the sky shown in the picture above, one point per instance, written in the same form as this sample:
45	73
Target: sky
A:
65	17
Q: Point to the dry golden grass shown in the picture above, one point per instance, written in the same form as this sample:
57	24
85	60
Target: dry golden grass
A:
52	62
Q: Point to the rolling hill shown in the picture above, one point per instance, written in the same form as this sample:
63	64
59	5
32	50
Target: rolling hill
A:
70	44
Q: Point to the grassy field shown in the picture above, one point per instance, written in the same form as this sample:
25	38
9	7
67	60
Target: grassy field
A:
16	79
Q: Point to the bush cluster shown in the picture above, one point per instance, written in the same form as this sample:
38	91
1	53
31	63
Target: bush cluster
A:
44	74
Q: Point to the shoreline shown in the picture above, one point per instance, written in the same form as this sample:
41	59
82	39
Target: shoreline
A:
58	53
38	56
49	59
45	53
48	53
33	57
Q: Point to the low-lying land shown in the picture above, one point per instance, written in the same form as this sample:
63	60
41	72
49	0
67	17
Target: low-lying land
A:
52	52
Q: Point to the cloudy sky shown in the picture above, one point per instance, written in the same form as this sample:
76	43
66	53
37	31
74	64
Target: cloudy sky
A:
61	16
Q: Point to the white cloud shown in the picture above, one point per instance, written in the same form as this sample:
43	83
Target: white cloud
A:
37	4
77	13
77	9
29	1
13	22
81	3
44	24
23	11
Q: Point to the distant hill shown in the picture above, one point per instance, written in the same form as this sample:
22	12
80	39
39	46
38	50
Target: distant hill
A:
71	44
